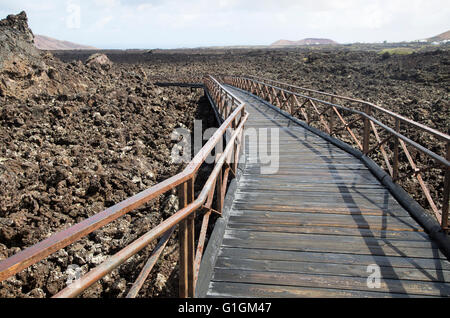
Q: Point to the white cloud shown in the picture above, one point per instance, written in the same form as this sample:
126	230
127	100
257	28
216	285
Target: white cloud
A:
107	3
100	24
171	23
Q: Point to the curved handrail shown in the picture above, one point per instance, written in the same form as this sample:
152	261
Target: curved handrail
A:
281	96
419	147
106	267
442	136
41	250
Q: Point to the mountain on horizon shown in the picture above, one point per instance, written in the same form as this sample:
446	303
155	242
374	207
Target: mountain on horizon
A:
443	37
307	41
43	42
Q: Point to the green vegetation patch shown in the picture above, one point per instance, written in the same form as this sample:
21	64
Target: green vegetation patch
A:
397	51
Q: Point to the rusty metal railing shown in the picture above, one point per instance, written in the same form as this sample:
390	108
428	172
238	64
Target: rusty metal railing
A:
182	79
377	132
233	112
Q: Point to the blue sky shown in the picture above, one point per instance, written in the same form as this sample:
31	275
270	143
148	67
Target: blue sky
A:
180	23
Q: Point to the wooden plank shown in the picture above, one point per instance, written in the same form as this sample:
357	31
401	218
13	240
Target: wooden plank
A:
332	231
321	209
242	290
350	181
304	219
310	157
324	239
290	136
287	144
288	160
310	176
271	123
301	149
332	269
334	257
325	281
335	247
297	151
317	173
312	228
320	172
297	199
319	192
366	190
245	183
299	169
305	141
315	165
305	205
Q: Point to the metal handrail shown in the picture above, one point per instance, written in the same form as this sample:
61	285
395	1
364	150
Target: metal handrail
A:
183	182
438	134
272	93
419	147
97	273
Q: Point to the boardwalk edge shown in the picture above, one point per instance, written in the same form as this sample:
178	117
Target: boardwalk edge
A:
417	212
212	249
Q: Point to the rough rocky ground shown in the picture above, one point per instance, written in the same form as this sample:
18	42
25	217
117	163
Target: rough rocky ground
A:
76	138
414	85
73	142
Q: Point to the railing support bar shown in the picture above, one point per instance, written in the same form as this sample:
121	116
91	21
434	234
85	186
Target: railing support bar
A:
366	134
446	196
396	151
183	245
186	242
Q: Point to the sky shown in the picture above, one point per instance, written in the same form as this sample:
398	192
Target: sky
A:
148	24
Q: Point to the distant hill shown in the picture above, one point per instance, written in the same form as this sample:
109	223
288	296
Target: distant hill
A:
283	43
440	38
47	43
308	41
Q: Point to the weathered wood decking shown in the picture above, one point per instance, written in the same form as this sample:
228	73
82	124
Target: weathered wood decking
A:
313	228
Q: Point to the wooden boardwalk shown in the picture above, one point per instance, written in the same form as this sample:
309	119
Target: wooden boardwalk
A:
313	228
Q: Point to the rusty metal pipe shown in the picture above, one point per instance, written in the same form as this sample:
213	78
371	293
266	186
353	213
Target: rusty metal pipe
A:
442	136
201	244
134	291
419	147
77	287
41	250
113	262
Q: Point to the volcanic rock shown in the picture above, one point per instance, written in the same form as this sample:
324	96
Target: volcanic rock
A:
73	142
26	71
100	60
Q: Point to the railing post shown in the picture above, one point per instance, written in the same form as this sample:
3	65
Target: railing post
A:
396	145
234	158
366	137
289	104
191	241
445	204
183	244
331	118
186	242
219	200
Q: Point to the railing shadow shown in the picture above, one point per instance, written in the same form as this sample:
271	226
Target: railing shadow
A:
368	236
